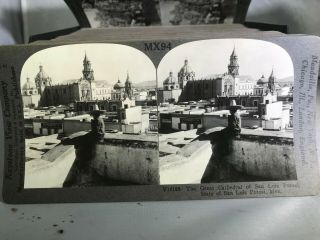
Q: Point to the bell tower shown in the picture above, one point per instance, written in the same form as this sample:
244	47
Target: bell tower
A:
87	71
271	82
128	87
233	67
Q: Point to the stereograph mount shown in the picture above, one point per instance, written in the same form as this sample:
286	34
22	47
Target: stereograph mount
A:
212	132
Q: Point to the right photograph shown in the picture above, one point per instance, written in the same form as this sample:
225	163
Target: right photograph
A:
225	113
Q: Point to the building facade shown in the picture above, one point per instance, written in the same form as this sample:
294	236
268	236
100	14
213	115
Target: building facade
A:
171	89
30	94
229	85
85	88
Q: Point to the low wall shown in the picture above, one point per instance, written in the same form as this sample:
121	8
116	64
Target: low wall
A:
128	158
270	157
253	156
73	126
212	121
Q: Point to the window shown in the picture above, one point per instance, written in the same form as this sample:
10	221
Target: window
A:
267	101
125	106
255	103
114	108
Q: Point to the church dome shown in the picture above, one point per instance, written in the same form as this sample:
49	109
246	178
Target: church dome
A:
170	79
118	85
28	85
41	74
186	68
262	80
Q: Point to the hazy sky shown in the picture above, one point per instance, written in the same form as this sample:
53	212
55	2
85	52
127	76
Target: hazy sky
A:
206	57
109	61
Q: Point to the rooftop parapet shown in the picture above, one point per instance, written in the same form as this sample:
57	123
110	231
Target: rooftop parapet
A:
254	155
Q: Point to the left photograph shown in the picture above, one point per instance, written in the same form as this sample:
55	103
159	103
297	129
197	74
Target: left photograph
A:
88	117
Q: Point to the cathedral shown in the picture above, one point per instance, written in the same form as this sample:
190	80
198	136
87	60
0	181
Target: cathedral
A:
43	92
228	84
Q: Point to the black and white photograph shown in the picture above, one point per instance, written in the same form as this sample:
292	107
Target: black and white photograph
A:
226	113
194	12
87	109
121	13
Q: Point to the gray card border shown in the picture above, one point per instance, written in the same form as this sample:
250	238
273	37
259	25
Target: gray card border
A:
300	48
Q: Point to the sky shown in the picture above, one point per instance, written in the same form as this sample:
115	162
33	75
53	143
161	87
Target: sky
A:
109	61
112	61
207	57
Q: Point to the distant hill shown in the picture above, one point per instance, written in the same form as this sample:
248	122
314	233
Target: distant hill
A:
210	76
286	79
100	82
280	80
145	84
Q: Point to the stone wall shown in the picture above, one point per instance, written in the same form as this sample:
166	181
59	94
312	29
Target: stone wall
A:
128	158
270	157
60	95
255	155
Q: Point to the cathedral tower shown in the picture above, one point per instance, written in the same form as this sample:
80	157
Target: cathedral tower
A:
87	71
87	83
233	67
271	82
128	87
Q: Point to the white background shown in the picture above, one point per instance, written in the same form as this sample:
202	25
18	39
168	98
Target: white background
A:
276	218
